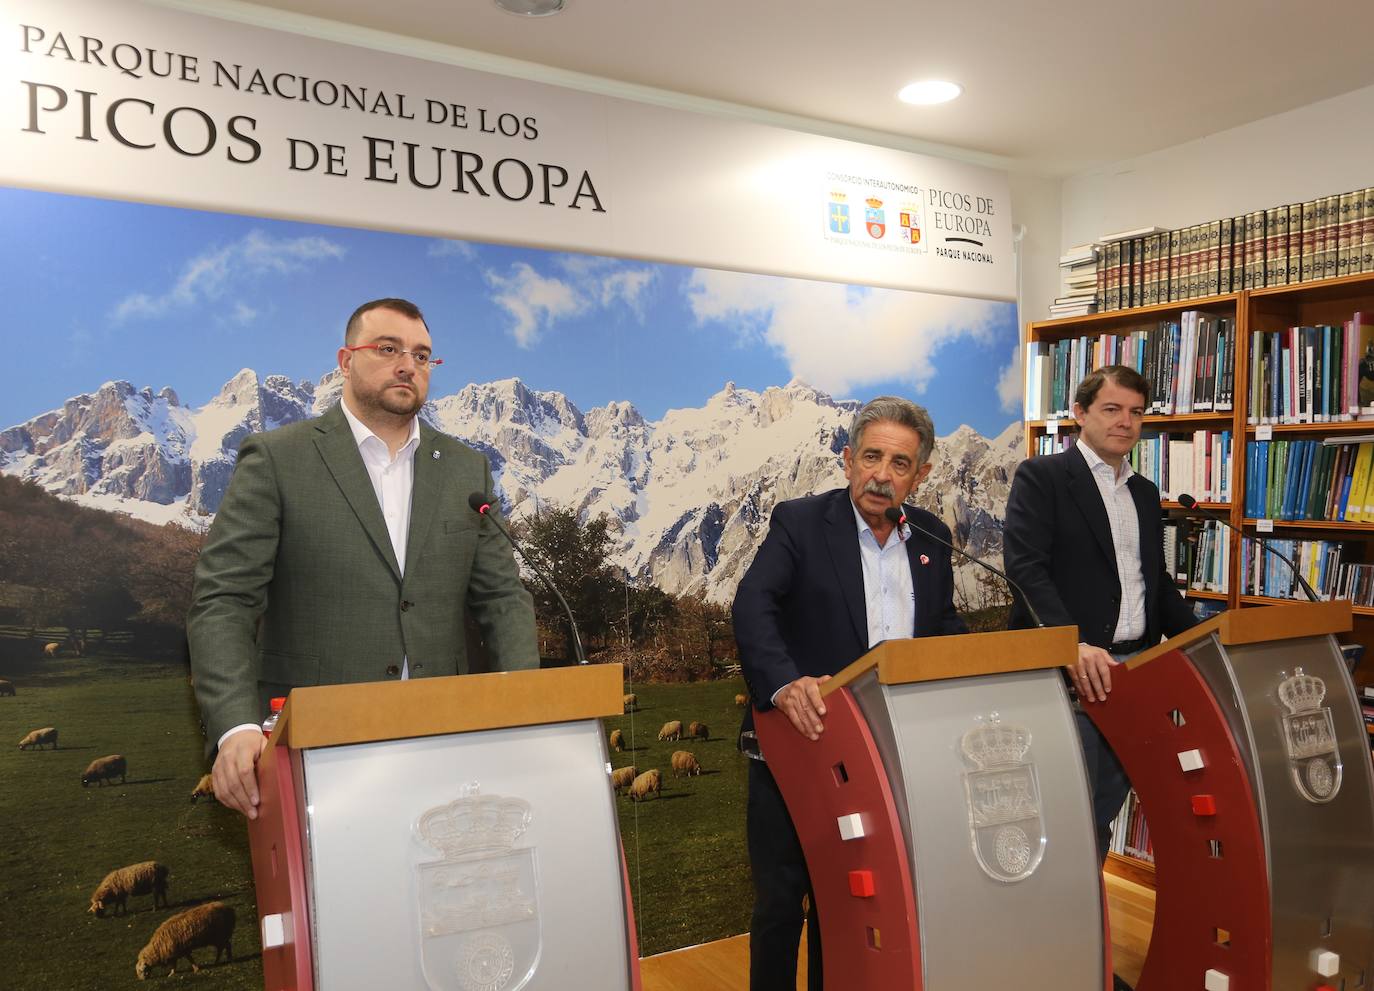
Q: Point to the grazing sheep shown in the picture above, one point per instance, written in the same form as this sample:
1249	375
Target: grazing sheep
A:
685	762
39	737
741	700
211	924
671	730
205	788
50	650
104	769
649	781
147	878
623	777
631	702
617	740
698	731
6	687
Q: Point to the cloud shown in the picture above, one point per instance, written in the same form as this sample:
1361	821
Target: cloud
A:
1010	382
226	269
627	285
533	301
442	248
837	337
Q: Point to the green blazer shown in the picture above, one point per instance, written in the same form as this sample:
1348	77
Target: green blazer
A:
298	584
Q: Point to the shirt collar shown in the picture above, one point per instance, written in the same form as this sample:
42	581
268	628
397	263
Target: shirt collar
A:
361	432
1091	456
903	531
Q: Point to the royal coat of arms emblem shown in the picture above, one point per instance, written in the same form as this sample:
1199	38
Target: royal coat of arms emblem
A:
1309	736
1003	796
478	904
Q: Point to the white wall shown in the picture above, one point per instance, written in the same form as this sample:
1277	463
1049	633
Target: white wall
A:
1317	150
1035	205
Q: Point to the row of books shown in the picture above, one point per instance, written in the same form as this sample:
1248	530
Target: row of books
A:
1198	554
1189	363
1130	833
1321	562
1319	374
1367	710
1322	238
1197	463
1310	480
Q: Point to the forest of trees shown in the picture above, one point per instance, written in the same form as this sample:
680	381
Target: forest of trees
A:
64	565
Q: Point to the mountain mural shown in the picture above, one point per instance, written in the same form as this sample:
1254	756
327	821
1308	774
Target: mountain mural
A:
688	495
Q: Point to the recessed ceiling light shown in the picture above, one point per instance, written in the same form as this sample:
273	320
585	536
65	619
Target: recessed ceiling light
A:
531	8
929	92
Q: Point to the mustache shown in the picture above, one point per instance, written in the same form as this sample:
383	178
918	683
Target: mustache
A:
883	489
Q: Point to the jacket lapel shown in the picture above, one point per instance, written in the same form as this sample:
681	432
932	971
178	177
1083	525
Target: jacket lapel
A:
339	451
842	540
1151	547
918	547
424	499
1083	488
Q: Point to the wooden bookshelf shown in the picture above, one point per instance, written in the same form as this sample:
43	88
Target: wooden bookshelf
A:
1329	301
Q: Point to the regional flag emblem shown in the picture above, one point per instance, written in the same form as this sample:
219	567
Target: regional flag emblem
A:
874	220
911	226
839	217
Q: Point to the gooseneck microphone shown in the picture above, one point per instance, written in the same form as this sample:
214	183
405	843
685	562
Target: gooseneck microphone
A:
1191	504
898	517
480	504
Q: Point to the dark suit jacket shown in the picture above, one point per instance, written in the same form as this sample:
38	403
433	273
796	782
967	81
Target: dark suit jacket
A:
298	583
1057	545
799	609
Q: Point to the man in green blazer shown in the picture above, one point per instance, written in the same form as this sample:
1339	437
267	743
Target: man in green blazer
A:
345	551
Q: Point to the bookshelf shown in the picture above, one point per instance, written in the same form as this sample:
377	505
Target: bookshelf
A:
1266	311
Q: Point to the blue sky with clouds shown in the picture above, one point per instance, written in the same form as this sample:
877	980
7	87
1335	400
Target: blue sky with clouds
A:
100	290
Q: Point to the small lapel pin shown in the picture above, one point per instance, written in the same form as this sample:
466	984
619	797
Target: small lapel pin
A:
434	455
924	559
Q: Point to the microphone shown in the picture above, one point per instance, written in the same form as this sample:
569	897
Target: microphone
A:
480	504
1191	504
898	517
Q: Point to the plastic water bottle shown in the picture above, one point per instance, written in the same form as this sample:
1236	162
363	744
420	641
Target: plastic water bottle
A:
270	723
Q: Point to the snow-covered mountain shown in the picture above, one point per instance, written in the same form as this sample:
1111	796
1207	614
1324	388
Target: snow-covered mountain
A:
688	495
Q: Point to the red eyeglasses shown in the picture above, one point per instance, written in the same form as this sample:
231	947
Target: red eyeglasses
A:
391	352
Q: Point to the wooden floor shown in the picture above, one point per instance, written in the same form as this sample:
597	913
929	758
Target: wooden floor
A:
724	965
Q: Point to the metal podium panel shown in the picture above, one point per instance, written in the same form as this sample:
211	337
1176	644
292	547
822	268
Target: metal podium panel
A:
993	911
1308	755
482	861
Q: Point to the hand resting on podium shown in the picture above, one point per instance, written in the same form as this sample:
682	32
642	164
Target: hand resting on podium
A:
801	702
1092	675
236	770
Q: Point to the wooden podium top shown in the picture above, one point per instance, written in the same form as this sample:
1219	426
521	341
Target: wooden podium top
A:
1258	624
330	715
935	658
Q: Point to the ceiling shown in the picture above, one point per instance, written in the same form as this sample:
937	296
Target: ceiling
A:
1050	88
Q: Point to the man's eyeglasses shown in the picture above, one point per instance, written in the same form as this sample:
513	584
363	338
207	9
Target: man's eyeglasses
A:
392	353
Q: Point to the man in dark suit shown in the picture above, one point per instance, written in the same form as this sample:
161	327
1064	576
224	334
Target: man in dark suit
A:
833	577
1083	537
345	551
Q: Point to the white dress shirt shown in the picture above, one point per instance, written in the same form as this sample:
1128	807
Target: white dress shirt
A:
889	596
393	480
1124	520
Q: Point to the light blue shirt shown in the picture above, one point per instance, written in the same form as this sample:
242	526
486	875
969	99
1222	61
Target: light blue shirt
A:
889	595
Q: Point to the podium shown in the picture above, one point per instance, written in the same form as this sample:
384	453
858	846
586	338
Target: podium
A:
445	833
1245	742
946	820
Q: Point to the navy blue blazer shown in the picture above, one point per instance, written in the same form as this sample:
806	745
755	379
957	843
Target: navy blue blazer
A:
799	609
1057	545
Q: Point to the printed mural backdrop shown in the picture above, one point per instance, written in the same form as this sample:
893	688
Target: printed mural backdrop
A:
641	420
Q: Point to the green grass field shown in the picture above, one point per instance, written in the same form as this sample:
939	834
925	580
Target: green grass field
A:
685	849
61	839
